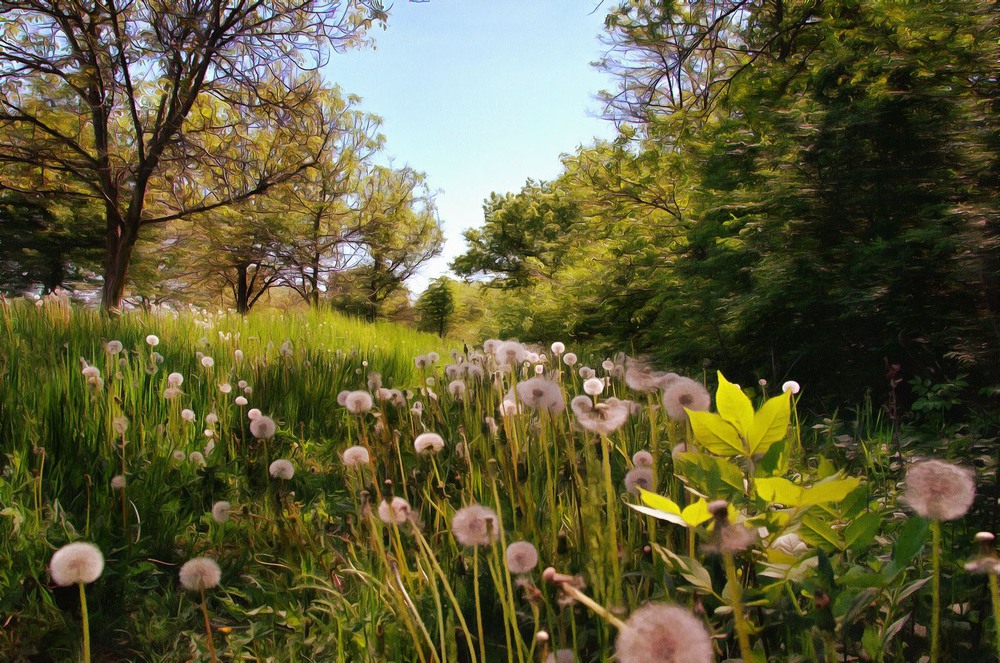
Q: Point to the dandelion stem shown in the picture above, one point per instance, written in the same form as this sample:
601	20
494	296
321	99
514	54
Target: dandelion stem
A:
479	608
736	602
208	625
935	590
86	623
995	596
596	607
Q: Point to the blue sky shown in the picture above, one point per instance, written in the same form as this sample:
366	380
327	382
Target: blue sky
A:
480	96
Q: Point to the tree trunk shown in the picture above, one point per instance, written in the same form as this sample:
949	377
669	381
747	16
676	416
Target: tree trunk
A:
242	290
119	243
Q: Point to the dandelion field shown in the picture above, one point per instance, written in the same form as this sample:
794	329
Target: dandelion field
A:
311	488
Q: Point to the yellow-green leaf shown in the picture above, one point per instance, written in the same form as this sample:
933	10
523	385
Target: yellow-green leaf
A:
734	406
696	513
829	491
660	502
660	515
770	424
779	490
715	434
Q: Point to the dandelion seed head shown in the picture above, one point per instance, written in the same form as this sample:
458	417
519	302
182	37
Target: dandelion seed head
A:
196	458
396	512
91	372
358	402
561	656
281	469
570	359
262	427
663	633
118	482
356	456
199	574
593	386
170	393
558	348
457	389
221	511
475	525
937	490
521	557
510	354
211	418
175	380
187	414
225	387
152	340
77	562
179	455
791	386
207	362
640	376
603	418
540	394
238	354
120	424
241	401
642	458
685	393
113	347
428	443
254	413
639	478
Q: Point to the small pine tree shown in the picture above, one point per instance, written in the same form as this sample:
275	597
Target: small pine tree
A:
436	305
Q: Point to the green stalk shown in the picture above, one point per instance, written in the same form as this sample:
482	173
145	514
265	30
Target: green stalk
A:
736	602
86	623
479	608
208	626
612	509
995	596
935	591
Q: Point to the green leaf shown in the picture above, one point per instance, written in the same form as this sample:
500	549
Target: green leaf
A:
779	490
734	406
770	424
697	513
715	434
710	475
829	491
660	502
660	515
862	530
909	541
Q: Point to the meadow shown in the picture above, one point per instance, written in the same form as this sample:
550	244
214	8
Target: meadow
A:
306	487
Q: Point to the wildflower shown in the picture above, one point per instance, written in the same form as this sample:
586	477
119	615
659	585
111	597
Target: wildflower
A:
113	347
603	418
522	557
241	401
241	384
428	442
281	469
663	633
541	395
510	354
453	371
175	380
221	511
247	390
374	380
207	362
152	340
358	402
593	386
639	477
791	386
509	407
986	563
263	427
558	348
117	482
490	345
608	365
728	538
937	490
157	357
253	413
475	525
457	389
77	562
642	459
199	574
187	415
570	358
422	361
433	357
91	372
356	456
474	371
225	387
120	424
685	393
398	511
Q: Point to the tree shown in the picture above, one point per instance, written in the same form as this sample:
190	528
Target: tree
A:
45	244
108	101
436	306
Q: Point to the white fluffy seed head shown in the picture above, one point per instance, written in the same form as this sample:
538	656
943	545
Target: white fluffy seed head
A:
791	386
281	469
475	525
937	490
200	573
593	386
663	633
356	456
398	511
263	427
521	557
221	511
685	394
77	562
428	443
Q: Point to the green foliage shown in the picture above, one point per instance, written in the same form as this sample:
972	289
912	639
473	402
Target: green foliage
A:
436	305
